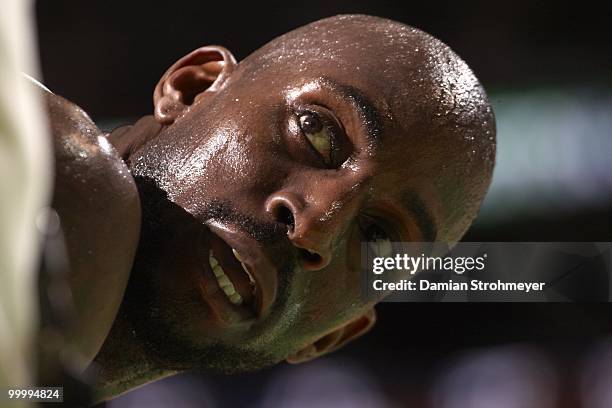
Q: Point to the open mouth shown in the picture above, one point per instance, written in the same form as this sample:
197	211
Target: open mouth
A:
225	282
239	278
232	274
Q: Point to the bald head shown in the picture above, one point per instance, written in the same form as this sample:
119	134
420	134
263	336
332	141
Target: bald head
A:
347	130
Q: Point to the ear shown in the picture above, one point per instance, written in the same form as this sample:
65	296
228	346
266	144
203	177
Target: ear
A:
335	339
198	74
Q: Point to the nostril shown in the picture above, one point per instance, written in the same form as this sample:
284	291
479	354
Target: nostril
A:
285	216
311	259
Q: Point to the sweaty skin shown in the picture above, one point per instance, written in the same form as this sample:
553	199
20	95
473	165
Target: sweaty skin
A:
98	205
349	129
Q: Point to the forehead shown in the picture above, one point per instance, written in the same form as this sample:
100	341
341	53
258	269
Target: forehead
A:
349	49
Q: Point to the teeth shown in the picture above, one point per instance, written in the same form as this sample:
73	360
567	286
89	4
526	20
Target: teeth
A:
213	261
236	299
237	255
218	271
224	282
251	279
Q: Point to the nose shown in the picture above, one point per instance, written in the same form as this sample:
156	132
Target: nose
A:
307	230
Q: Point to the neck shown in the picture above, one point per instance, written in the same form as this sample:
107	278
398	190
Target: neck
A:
123	361
128	139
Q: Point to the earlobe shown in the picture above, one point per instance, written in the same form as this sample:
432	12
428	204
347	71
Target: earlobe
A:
336	338
201	72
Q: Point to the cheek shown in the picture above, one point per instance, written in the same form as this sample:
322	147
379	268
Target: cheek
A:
252	160
338	290
335	293
242	142
236	160
249	169
228	163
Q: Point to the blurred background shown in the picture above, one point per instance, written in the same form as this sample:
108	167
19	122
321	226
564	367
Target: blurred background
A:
547	68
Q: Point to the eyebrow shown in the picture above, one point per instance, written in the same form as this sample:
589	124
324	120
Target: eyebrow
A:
368	114
425	221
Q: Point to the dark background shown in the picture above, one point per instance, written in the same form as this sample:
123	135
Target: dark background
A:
106	56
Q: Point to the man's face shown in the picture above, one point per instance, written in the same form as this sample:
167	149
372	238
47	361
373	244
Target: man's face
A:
271	185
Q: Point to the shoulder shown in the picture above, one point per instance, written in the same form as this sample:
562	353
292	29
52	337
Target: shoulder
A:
99	208
66	119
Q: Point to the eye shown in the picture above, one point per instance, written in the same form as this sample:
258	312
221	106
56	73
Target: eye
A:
321	135
378	239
